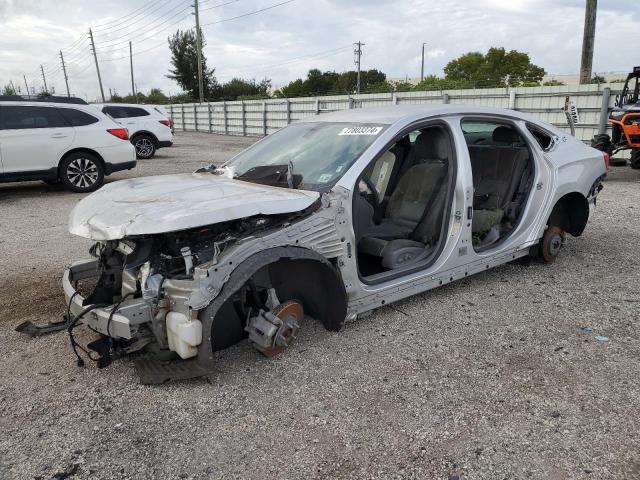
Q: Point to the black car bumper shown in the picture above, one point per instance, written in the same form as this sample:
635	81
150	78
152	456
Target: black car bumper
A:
110	168
165	144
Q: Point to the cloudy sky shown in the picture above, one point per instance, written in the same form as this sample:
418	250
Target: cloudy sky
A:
282	43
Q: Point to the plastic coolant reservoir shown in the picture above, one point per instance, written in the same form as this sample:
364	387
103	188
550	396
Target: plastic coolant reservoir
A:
184	335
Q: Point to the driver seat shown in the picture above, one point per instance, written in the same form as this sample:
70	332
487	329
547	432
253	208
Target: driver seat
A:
413	216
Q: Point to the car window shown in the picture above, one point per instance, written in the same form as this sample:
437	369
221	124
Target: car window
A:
115	112
478	127
135	112
77	118
18	117
319	153
544	139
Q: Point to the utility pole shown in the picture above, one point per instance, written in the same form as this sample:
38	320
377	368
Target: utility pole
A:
25	83
64	71
422	64
133	87
587	40
199	50
358	56
13	87
95	57
46	90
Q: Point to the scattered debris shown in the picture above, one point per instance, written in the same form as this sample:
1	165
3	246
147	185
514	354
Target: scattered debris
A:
587	329
602	338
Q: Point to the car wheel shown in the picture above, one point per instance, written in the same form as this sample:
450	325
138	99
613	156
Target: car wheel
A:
81	172
551	243
635	159
145	146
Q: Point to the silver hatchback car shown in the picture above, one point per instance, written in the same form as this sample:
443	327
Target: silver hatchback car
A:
323	220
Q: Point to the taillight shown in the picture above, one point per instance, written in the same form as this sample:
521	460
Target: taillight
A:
121	133
605	157
166	123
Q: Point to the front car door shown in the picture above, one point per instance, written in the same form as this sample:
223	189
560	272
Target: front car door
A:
32	139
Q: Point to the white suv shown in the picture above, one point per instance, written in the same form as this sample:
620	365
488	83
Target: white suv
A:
149	128
60	140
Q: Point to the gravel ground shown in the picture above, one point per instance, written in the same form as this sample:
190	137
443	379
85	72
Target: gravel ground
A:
490	377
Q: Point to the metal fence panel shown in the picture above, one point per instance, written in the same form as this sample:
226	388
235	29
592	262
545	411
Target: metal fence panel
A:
262	117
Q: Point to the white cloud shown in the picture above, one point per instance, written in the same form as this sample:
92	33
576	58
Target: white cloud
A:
281	43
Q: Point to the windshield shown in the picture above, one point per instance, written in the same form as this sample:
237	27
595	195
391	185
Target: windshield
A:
311	156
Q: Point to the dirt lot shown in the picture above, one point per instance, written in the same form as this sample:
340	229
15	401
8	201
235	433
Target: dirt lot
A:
490	377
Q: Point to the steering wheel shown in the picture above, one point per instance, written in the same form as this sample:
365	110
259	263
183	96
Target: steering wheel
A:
372	195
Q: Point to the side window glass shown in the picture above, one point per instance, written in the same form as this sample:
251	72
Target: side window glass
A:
544	139
20	117
135	112
76	118
114	112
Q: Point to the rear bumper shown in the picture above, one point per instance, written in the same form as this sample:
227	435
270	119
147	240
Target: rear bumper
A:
110	168
165	143
124	323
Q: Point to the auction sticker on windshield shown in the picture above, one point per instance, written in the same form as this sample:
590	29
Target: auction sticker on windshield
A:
360	131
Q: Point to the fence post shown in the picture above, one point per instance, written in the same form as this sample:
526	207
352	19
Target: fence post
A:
264	119
394	98
244	120
317	106
288	112
350	102
445	98
512	99
184	127
604	111
224	117
195	115
209	116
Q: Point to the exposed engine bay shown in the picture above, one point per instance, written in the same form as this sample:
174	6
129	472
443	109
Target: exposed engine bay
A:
142	283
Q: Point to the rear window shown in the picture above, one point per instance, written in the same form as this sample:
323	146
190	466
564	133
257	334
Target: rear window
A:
77	118
115	112
135	112
544	138
21	117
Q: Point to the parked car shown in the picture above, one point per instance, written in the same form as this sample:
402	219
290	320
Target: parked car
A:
325	219
60	140
149	128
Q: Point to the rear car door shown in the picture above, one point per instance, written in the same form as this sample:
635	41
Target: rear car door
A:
32	138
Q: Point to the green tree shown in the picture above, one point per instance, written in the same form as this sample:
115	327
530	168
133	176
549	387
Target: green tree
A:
8	90
497	68
553	83
240	89
433	82
333	83
184	59
598	79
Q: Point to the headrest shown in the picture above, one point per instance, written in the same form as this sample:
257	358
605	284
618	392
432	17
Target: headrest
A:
432	144
504	134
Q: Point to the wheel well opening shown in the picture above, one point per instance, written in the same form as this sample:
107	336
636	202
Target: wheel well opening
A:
314	284
147	133
81	150
570	213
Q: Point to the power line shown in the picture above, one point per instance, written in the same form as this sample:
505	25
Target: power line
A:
248	13
211	7
160	6
122	19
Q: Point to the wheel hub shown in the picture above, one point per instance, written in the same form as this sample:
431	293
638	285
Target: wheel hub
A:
555	243
272	331
82	172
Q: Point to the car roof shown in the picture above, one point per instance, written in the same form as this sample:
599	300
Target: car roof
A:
30	103
138	105
407	113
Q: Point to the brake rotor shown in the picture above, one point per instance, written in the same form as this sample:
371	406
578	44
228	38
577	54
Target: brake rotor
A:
291	313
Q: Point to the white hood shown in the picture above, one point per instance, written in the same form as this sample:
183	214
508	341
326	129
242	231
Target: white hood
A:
168	203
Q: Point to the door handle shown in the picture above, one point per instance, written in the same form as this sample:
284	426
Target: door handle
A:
59	135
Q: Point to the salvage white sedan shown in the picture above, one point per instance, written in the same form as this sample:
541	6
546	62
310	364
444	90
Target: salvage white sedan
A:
329	217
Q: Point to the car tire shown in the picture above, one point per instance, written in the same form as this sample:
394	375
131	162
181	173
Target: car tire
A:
635	159
81	172
145	146
551	243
